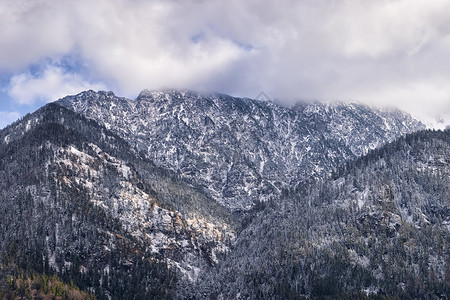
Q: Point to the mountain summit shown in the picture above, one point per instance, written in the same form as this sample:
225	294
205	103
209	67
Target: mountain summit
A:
177	194
242	150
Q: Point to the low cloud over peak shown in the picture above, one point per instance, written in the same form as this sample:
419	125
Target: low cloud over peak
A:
377	52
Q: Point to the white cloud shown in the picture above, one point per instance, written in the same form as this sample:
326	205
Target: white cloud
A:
429	102
32	30
133	44
323	49
7	117
49	85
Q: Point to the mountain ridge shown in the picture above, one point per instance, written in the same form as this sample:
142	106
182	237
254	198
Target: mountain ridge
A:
213	139
76	182
378	229
181	195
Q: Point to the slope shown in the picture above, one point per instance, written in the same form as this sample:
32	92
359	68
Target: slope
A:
77	200
240	150
379	228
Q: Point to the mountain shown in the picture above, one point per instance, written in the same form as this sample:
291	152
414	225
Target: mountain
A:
181	195
77	200
240	150
379	228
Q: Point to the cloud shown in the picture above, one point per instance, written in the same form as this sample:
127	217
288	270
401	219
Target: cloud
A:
7	117
371	51
131	44
48	85
32	30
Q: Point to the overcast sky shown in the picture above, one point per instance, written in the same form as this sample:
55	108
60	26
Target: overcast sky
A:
386	52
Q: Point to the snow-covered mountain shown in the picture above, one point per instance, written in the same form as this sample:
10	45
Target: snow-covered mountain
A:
181	195
379	229
76	199
242	150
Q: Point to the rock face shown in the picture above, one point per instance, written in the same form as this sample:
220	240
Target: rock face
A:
380	227
242	150
76	199
182	195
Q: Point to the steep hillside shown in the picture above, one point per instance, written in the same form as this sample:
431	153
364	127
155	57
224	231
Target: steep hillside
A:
75	199
142	198
380	227
241	151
